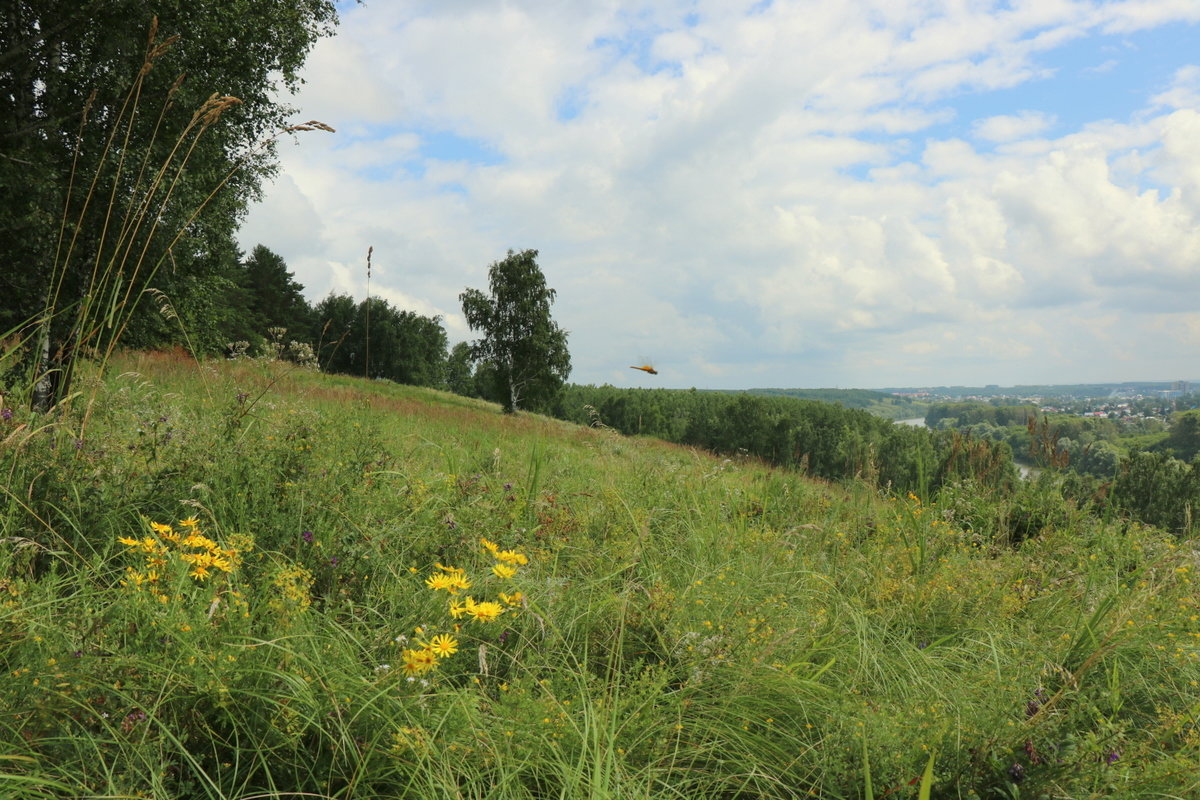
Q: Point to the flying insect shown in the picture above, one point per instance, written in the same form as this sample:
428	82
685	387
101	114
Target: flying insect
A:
646	368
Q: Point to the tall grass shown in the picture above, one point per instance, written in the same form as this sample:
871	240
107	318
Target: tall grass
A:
689	628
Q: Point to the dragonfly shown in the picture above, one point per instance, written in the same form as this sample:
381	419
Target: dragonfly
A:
646	368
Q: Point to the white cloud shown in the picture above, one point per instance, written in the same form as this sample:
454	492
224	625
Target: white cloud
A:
1011	127
1184	91
778	195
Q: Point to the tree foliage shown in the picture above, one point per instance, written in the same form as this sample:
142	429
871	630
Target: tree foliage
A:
112	141
824	439
460	371
1184	439
523	350
274	298
404	346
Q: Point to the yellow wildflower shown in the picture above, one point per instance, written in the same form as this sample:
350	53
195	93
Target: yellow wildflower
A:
491	547
440	580
125	540
511	557
486	611
160	528
443	645
504	571
197	540
418	661
198	559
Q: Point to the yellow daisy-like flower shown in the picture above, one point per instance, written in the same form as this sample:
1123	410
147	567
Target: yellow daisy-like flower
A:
199	572
487	611
451	570
443	645
511	557
504	571
457	609
458	582
418	661
125	540
197	540
441	580
160	528
490	546
190	522
133	577
514	599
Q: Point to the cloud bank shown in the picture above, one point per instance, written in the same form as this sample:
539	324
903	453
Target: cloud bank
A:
802	193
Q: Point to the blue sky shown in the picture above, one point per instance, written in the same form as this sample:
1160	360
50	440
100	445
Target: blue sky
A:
795	193
1092	78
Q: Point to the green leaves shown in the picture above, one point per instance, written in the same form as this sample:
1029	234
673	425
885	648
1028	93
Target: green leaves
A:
522	348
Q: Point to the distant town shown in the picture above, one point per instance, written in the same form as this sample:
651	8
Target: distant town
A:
1125	402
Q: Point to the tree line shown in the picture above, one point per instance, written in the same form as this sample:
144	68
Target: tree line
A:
823	439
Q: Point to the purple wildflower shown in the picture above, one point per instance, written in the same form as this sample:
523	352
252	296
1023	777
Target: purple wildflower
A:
1112	757
6	414
333	561
307	536
132	719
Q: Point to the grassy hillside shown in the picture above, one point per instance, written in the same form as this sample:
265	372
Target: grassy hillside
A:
238	581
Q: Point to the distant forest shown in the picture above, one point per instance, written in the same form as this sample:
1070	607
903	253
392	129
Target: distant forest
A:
881	404
823	439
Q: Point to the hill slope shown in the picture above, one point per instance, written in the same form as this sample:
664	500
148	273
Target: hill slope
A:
236	580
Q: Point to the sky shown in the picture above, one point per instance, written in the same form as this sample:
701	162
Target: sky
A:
779	193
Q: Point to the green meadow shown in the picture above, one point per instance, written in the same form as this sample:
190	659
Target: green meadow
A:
243	580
